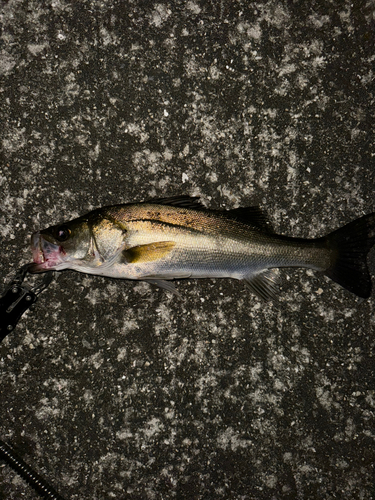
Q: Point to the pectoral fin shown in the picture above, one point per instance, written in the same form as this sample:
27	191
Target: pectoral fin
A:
148	253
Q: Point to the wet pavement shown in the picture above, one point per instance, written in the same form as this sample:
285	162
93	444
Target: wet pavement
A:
114	389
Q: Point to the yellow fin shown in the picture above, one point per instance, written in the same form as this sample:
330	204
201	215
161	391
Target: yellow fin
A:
148	253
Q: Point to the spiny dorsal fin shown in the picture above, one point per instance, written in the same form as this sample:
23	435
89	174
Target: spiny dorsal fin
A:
180	201
147	253
252	216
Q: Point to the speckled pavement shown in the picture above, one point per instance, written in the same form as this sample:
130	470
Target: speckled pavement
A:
116	390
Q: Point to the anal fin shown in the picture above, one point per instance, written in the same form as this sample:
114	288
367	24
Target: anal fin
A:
264	284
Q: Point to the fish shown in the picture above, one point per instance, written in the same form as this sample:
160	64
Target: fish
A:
177	238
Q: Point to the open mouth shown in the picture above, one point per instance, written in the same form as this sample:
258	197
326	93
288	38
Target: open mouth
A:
38	255
46	255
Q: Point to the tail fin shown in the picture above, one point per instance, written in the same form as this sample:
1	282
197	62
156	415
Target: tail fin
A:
351	245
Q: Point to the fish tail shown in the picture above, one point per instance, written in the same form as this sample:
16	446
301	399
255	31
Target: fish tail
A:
350	245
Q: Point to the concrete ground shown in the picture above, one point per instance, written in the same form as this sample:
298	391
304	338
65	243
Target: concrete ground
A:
111	389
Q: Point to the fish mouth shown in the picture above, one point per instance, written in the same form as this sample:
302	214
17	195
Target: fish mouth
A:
46	255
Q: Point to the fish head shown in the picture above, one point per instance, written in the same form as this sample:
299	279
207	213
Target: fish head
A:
83	244
60	247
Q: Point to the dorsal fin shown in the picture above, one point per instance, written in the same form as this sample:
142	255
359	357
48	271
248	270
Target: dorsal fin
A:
180	201
252	216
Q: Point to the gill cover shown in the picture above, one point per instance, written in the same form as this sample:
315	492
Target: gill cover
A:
83	244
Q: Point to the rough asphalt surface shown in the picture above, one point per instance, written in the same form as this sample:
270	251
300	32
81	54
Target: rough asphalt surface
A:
111	389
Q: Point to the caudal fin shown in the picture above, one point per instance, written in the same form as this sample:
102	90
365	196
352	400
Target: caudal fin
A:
351	245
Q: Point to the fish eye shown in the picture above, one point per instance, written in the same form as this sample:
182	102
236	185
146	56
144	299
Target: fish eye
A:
63	233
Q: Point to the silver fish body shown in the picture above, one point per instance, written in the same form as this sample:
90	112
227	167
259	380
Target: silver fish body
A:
178	238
